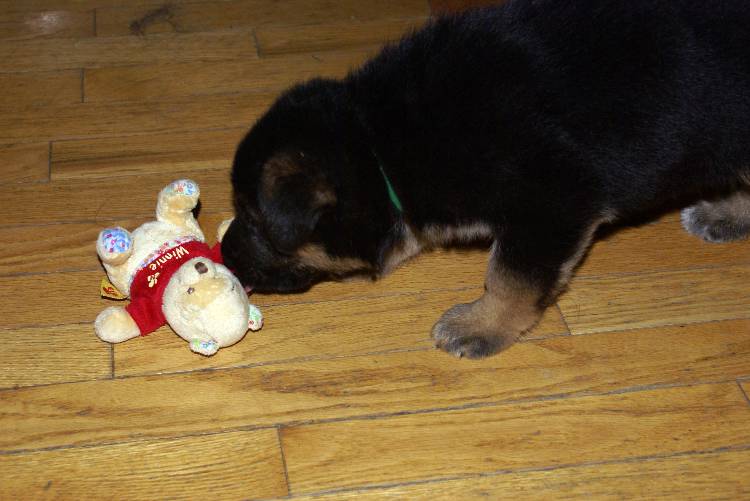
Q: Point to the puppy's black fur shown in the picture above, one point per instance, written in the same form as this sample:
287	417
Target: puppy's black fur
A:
530	124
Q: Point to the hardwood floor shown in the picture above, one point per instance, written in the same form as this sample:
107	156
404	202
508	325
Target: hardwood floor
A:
634	385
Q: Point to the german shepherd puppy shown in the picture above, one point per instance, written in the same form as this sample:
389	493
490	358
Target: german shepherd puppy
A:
530	125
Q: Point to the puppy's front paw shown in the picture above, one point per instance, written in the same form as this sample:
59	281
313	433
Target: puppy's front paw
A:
462	332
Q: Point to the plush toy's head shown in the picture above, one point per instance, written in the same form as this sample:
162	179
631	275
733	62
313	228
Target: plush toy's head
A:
206	305
173	277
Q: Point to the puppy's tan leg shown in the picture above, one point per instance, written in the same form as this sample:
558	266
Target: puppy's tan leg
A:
508	308
523	278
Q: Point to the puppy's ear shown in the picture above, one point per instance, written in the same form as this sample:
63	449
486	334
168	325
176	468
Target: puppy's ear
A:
293	194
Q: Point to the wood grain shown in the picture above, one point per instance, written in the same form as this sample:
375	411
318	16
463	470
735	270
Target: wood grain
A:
106	198
656	298
90	120
52	355
23	163
21	90
332	36
205	16
137	155
694	476
374	385
165	81
357	453
227	466
64	53
69	246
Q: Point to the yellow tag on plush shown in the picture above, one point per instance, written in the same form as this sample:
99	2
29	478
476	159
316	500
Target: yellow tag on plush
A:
110	291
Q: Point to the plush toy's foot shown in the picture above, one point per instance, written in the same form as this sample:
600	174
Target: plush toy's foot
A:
115	325
179	196
114	245
206	348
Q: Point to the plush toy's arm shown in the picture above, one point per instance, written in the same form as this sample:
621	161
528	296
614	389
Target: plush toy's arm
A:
176	203
115	325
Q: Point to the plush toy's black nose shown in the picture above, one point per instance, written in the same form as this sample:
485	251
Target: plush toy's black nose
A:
201	267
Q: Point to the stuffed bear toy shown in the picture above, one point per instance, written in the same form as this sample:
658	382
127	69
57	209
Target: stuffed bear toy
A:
172	276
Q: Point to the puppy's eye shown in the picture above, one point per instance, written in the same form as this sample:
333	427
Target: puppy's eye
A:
190	290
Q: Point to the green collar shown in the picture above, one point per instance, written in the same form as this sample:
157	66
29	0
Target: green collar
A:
391	192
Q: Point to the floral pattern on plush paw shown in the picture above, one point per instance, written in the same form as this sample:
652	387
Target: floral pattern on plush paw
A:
184	187
115	240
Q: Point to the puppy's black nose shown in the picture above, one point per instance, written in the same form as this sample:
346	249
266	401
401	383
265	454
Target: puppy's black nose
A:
201	267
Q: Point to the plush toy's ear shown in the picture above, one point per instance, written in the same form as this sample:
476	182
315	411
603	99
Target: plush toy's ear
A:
292	196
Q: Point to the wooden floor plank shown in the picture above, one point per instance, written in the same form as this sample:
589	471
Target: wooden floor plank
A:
69	247
656	298
163	405
137	155
539	434
693	476
106	198
205	16
661	245
56	354
238	465
87	120
21	90
166	81
64	53
24	162
332	36
22	25
329	329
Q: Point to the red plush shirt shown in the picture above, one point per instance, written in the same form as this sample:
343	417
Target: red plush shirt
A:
147	288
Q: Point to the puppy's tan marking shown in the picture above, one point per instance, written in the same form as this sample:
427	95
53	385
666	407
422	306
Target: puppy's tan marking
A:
566	270
284	165
314	256
437	235
276	168
407	247
413	242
